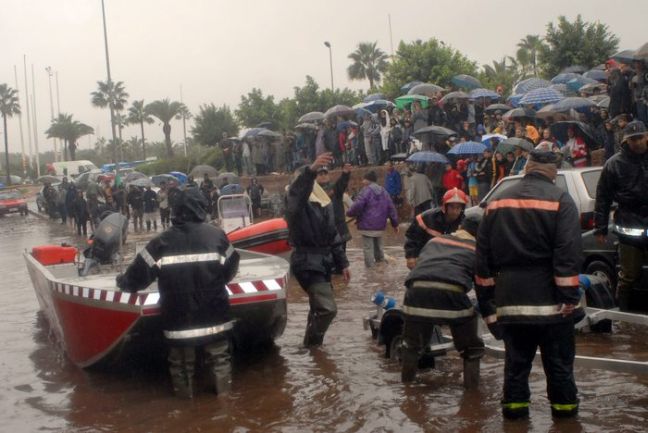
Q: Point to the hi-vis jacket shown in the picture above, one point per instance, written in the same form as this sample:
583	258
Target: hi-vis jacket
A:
529	253
437	286
192	262
426	225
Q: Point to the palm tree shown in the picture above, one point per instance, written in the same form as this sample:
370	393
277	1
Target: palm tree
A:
69	130
501	73
531	45
369	62
137	114
166	111
9	105
112	95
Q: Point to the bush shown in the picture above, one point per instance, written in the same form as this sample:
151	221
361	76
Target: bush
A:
197	155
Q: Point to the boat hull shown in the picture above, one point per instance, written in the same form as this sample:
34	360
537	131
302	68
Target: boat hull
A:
267	237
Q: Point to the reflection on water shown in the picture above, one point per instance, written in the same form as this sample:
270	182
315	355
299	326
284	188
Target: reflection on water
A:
345	386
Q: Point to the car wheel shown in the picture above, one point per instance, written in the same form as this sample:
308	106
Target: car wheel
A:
604	271
395	348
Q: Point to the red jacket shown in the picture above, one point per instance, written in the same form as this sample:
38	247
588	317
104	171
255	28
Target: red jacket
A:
452	179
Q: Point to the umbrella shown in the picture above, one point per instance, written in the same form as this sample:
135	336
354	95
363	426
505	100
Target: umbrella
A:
604	103
577	69
514	100
562	88
403	101
435	130
484	93
573	103
486	139
202	170
48	178
339	110
425	89
625	56
466	81
564	77
596	74
159	178
266	125
373	97
642	52
132	176
467	148
593	88
510	144
576	83
253	132
142	182
544	95
406	88
341	126
312	117
306	126
268	133
231	188
231	178
180	176
559	130
427	156
375	106
529	84
519	113
362	112
454	96
398	157
548	111
492	108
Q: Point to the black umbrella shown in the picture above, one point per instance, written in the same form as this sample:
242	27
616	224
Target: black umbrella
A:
559	130
519	113
339	110
267	125
268	134
313	116
435	130
510	144
625	56
492	108
425	89
455	96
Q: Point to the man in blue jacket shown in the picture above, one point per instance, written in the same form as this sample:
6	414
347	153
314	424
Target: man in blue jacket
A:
393	183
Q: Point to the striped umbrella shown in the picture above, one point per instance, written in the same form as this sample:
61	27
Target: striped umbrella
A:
545	95
562	88
573	103
576	83
484	93
467	148
529	84
514	100
564	77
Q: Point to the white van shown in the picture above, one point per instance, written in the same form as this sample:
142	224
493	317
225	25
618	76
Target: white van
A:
71	168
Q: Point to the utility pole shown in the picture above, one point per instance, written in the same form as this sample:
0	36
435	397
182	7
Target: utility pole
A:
29	133
328	44
22	138
35	122
58	99
49	80
391	38
110	104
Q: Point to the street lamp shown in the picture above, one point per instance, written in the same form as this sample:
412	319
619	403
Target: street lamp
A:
110	105
328	45
49	78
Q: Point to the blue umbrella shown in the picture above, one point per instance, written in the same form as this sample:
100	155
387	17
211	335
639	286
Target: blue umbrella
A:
467	148
573	103
564	77
427	156
375	106
406	88
466	81
486	139
529	84
562	88
576	83
484	93
596	74
362	112
373	97
182	178
545	95
514	100
341	126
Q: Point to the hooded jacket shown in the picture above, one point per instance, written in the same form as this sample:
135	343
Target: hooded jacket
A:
425	226
372	208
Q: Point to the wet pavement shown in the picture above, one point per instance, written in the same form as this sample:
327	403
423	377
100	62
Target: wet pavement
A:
346	386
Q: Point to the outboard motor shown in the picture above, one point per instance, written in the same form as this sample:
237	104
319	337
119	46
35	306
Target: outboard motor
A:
106	241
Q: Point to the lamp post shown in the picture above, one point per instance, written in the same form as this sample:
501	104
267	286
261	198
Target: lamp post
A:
328	45
110	104
49	78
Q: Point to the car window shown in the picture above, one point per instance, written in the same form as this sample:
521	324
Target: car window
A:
590	179
9	195
561	182
505	184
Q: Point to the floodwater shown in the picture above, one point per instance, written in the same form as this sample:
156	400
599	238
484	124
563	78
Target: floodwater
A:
346	386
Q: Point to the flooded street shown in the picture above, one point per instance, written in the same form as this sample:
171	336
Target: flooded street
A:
346	386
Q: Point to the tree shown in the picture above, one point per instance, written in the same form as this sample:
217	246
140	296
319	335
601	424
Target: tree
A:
166	110
137	115
112	95
576	43
431	62
69	130
9	105
256	108
211	123
529	48
369	63
501	74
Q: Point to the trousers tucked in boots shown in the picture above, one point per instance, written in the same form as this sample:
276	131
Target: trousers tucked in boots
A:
321	314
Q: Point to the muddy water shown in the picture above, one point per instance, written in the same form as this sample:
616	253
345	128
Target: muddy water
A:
346	386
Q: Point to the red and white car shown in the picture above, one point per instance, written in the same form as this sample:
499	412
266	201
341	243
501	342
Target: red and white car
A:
11	200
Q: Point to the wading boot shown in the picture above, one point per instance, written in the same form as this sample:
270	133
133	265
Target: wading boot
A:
471	373
409	365
515	410
219	362
181	369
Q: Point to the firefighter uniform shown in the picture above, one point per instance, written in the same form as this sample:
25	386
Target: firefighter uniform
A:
192	261
529	254
425	226
317	250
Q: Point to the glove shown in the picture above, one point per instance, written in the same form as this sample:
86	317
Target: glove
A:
496	330
411	262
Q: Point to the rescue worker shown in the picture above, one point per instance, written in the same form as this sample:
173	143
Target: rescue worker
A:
529	254
317	247
434	222
436	294
624	180
192	262
336	191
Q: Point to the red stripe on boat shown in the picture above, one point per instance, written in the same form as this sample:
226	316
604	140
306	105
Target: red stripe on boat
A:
260	286
117	296
235	289
253	299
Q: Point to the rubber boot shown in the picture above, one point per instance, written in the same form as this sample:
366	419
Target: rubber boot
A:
471	373
623	298
181	369
513	411
219	362
409	365
321	314
564	410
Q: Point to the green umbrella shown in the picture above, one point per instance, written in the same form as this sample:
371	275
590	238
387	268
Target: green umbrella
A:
404	101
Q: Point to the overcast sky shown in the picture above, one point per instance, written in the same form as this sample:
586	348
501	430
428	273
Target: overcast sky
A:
218	50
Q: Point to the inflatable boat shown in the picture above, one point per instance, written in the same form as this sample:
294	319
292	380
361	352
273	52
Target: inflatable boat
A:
268	237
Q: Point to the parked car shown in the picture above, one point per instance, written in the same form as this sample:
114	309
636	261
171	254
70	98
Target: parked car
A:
580	183
12	200
84	179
